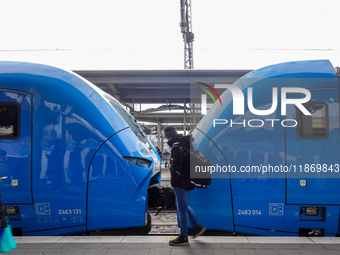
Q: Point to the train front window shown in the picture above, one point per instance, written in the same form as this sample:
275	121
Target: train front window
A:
314	126
9	120
129	120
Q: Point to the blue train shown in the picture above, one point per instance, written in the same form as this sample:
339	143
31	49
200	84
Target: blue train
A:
75	159
274	147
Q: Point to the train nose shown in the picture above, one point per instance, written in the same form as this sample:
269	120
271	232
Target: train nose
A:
213	206
119	176
213	151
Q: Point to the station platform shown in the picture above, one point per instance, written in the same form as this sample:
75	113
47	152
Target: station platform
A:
158	245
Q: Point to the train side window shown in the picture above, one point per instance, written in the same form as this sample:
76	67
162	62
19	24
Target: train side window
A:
313	126
9	120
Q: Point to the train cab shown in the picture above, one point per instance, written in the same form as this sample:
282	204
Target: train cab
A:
274	148
75	160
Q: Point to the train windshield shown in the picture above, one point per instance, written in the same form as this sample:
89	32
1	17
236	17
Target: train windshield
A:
130	121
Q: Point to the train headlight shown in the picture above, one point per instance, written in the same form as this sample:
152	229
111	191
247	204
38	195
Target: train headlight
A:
140	162
311	211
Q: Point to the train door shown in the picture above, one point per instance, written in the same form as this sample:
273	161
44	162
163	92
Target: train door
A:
312	151
15	147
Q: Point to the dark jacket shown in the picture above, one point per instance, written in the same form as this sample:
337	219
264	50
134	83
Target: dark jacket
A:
180	162
3	223
159	153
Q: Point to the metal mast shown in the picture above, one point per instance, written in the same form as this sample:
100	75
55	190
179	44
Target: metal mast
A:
188	36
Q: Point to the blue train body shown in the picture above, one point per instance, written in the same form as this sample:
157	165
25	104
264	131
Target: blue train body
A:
281	172
76	161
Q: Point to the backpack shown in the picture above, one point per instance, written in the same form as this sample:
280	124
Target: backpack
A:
201	179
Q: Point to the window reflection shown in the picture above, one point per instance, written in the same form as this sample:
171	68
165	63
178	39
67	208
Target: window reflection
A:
314	126
9	120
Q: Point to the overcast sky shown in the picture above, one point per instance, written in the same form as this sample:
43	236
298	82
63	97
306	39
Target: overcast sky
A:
136	34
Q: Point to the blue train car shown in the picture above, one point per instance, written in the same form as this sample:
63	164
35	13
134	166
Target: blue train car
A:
75	159
274	148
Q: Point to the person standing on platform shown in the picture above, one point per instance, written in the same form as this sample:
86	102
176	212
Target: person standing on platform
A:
159	152
180	181
166	157
3	222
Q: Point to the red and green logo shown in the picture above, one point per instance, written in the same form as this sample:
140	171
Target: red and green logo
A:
209	93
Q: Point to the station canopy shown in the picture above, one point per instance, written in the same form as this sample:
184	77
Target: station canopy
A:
166	92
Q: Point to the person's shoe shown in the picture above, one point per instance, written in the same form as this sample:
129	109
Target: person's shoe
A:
179	241
198	230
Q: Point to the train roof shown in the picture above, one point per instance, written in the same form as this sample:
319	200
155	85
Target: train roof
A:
296	69
54	85
26	69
